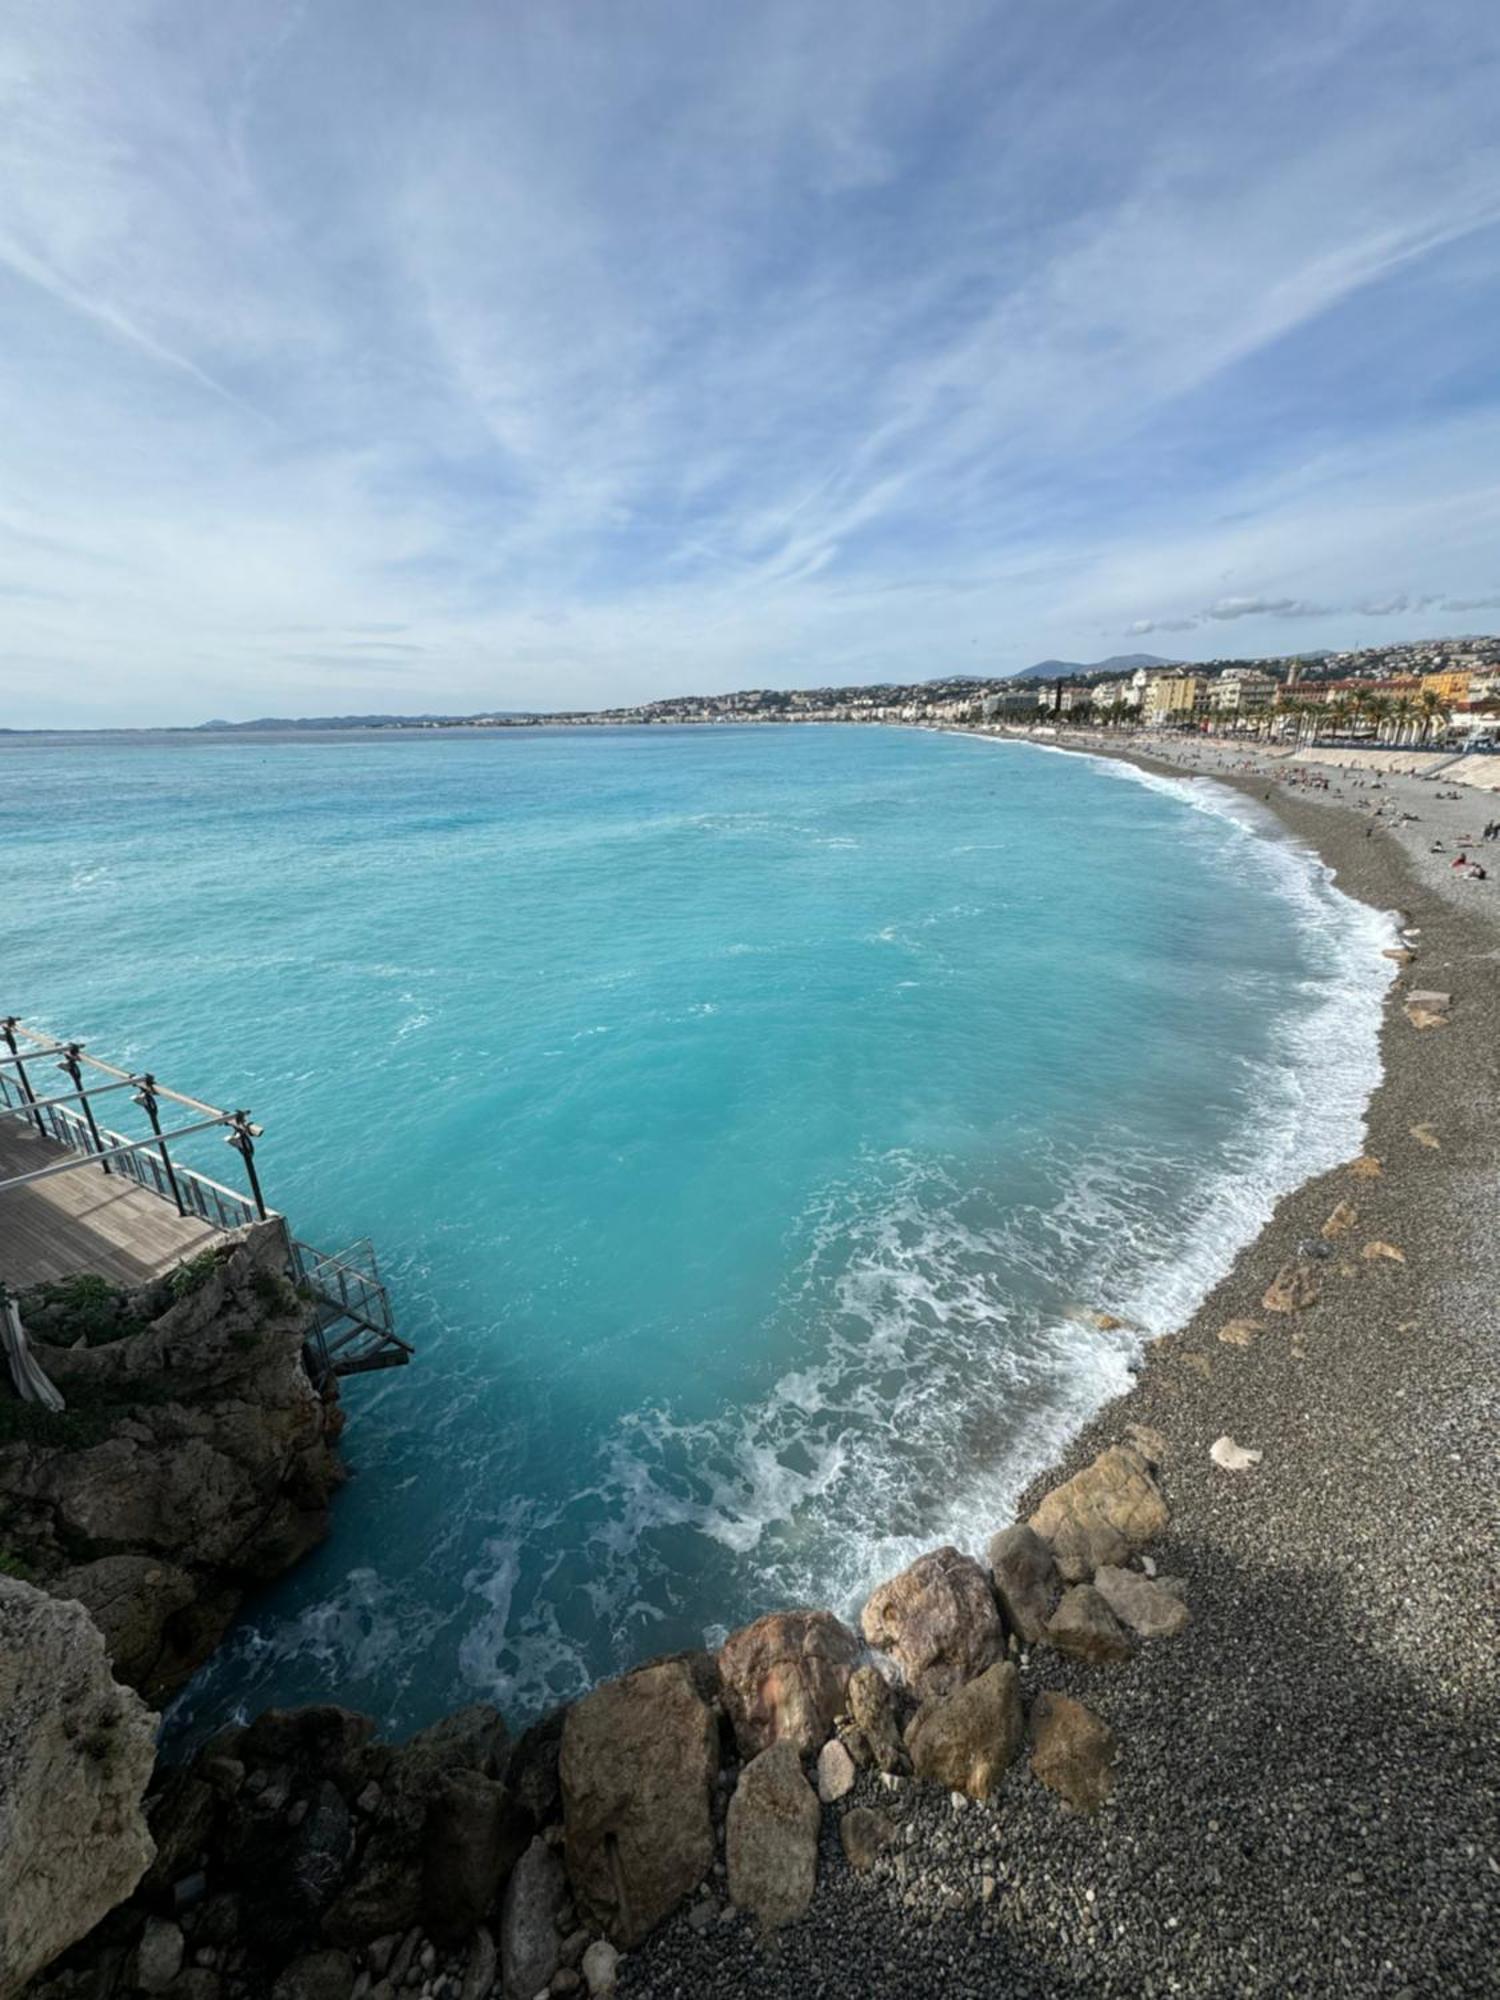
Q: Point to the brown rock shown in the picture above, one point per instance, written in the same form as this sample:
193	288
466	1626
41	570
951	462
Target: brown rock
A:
1084	1627
1149	1609
784	1678
872	1711
1149	1442
835	1772
865	1834
1428	1010
1102	1514
1375	1249
1425	1136
1025	1580
1240	1332
771	1838
1342	1219
1295	1287
472	1840
939	1621
639	1760
1365	1168
1400	954
1072	1751
964	1741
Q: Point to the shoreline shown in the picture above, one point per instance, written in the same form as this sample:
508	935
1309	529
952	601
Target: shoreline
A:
1310	1776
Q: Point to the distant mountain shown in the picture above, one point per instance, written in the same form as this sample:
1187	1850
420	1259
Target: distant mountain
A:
1117	663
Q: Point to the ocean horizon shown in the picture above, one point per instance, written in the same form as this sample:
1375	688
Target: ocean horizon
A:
748	1122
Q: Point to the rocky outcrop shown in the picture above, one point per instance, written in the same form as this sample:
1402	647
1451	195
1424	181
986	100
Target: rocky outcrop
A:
784	1678
1072	1751
76	1751
195	1458
1102	1514
1025	1580
965	1741
639	1760
771	1838
938	1620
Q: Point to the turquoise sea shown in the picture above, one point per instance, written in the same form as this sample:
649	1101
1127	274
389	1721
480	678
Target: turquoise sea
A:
742	1117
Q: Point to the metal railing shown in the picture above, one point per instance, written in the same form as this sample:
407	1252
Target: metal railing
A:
355	1329
224	1208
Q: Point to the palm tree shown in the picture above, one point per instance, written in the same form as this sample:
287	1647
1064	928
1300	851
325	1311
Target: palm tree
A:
1430	703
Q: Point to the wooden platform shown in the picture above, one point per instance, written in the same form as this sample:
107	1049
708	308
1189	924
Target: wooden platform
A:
85	1221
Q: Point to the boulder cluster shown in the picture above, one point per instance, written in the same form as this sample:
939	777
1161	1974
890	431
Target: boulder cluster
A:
303	1858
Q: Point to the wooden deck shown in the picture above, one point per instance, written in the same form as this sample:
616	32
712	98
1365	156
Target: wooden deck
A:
85	1220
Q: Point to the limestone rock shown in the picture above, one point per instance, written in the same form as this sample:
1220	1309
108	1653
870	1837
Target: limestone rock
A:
835	1772
939	1621
317	1975
1376	1250
213	1470
76	1751
964	1741
1072	1751
600	1963
865	1834
1365	1168
1102	1514
873	1737
1149	1442
1240	1332
1233	1457
158	1956
1148	1609
530	1949
771	1838
1428	1010
1341	1220
471	1841
1084	1627
1025	1580
784	1678
1426	1136
1296	1286
639	1759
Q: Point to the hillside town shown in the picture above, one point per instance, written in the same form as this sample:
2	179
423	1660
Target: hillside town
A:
1428	692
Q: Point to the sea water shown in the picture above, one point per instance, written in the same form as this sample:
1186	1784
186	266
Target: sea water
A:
747	1121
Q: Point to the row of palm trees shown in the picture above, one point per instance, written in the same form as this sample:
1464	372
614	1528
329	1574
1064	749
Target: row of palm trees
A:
1397	719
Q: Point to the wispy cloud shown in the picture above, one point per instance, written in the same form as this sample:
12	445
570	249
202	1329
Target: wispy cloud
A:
589	353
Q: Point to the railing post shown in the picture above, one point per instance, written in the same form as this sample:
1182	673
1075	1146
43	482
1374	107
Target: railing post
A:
145	1097
8	1029
69	1065
242	1137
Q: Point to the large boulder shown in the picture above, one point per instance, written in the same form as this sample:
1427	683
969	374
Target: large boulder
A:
1072	1751
530	1948
783	1679
871	1734
1149	1609
938	1620
76	1752
1084	1627
771	1838
472	1840
639	1759
1102	1514
1025	1580
965	1741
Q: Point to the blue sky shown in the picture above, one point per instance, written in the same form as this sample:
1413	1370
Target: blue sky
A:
359	354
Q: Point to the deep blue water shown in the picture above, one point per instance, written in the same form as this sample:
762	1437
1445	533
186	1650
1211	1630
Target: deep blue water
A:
741	1116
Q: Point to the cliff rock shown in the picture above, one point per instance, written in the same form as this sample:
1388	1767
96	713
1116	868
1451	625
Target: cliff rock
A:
76	1752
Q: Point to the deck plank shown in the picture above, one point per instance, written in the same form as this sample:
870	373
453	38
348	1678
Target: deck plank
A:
85	1221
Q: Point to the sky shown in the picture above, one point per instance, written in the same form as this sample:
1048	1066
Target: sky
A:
359	355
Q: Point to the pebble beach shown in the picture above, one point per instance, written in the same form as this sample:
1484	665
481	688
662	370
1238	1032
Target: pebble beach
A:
1308	1784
